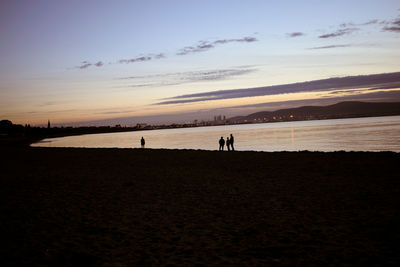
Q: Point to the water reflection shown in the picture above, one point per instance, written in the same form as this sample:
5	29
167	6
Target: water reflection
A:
362	134
292	136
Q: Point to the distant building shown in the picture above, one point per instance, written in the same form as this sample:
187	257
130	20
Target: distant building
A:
48	124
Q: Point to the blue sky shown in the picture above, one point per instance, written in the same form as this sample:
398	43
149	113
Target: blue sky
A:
71	61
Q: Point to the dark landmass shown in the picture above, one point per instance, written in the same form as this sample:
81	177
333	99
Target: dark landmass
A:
132	207
19	135
340	110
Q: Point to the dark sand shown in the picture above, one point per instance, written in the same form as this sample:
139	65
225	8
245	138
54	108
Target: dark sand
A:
156	207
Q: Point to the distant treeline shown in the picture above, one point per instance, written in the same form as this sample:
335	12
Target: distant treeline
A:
24	134
16	134
10	129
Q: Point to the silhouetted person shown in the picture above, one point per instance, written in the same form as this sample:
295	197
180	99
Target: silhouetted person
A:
228	144
231	142
142	142
221	143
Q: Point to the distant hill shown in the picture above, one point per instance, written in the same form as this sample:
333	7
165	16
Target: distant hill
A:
348	109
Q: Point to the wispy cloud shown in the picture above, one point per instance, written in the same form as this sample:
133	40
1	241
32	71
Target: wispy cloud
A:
159	56
142	58
339	32
47	104
349	27
137	59
207	45
351	24
383	81
200	47
329	46
372	21
392	29
393	26
187	77
86	64
389	25
216	74
295	34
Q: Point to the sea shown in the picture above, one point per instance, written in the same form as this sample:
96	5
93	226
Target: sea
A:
352	134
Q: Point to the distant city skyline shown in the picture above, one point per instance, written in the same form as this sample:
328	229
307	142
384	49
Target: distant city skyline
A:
101	62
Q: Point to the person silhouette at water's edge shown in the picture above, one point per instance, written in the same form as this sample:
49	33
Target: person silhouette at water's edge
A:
228	144
221	144
142	142
231	142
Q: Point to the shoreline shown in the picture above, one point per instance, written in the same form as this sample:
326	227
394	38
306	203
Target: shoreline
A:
90	206
215	150
29	140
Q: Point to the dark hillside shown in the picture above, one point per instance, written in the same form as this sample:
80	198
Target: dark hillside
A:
339	110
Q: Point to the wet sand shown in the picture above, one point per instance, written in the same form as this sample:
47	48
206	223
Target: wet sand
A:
130	207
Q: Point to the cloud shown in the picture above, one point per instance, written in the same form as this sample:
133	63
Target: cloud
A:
339	32
245	39
142	58
372	21
350	24
132	60
392	29
389	25
177	78
200	47
295	34
349	27
206	45
329	46
85	65
385	96
159	56
394	26
216	74
383	81
47	103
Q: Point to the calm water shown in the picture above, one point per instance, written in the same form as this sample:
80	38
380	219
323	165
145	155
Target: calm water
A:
360	134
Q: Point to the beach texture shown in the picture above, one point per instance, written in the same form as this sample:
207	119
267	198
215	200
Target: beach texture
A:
126	207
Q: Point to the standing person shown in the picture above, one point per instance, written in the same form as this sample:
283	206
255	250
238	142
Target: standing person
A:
221	144
142	142
231	142
228	143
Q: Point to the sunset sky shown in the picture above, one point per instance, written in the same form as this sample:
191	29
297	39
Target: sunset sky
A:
163	61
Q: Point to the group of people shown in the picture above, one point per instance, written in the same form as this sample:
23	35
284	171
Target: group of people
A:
229	143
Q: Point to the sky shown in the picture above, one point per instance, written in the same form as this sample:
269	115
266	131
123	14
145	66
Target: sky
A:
105	62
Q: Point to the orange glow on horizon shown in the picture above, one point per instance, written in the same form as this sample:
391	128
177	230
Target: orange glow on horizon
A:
109	112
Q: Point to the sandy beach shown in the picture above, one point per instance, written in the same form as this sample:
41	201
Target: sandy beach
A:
126	207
